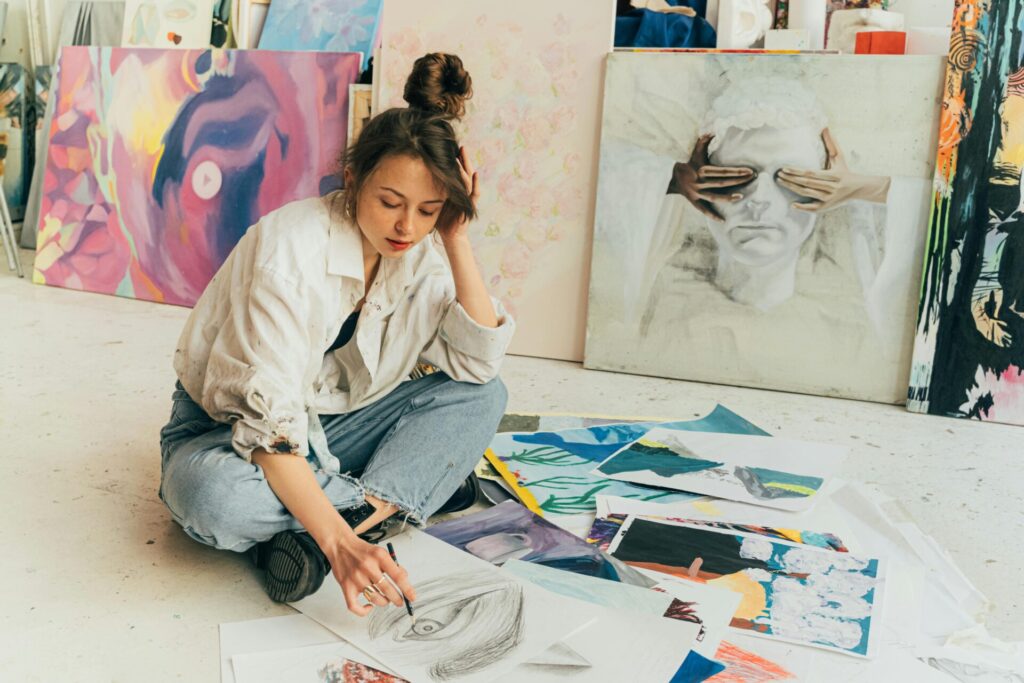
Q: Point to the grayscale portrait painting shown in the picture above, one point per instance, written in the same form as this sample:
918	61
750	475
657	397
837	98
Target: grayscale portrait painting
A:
760	220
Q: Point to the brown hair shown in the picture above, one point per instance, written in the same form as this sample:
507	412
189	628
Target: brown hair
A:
436	90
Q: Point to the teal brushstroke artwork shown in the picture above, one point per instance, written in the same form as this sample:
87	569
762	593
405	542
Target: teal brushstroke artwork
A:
780	473
551	472
323	26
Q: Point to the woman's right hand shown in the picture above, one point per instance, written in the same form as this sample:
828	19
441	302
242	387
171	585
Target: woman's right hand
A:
705	185
358	565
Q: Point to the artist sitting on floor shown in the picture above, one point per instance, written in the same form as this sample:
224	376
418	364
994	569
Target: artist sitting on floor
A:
293	403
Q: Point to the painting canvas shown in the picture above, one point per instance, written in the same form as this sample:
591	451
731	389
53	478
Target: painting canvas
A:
89	22
626	641
15	138
969	352
550	471
328	25
473	621
531	130
509	531
778	473
360	98
760	219
790	592
160	160
168	23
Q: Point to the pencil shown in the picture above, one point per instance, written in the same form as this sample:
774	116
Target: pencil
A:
408	607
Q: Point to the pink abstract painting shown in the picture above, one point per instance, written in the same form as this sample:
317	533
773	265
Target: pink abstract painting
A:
160	160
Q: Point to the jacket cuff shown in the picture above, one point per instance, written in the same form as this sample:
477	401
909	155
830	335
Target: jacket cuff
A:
287	435
465	335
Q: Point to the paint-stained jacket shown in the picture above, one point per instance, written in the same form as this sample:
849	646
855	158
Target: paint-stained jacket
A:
252	353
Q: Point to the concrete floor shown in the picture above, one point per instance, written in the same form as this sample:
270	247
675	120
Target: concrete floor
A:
99	584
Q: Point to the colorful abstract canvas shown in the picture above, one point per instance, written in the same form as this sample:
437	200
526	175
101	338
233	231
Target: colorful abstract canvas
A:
168	23
760	219
550	471
531	131
791	592
15	138
160	160
511	532
779	473
327	25
969	353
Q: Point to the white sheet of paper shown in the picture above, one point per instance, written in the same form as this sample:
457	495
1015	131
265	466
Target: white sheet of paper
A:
313	664
772	472
473	622
260	635
628	640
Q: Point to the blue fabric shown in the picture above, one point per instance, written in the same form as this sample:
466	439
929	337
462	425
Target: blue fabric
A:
696	669
647	28
412	448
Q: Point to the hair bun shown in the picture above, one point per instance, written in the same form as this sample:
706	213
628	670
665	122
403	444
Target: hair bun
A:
439	84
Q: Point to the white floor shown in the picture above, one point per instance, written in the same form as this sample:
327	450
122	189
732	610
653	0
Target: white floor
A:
97	583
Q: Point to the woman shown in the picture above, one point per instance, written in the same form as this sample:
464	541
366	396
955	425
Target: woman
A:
293	403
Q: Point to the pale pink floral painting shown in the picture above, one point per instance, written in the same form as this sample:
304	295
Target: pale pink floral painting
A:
532	130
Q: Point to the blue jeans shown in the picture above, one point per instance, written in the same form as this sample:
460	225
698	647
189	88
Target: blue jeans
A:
413	448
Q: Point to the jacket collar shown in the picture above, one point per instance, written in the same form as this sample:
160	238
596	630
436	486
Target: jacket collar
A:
345	258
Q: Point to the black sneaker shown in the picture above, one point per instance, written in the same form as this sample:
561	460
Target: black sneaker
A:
464	496
295	566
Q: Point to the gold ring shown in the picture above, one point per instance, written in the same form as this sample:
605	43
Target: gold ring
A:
380	580
368	593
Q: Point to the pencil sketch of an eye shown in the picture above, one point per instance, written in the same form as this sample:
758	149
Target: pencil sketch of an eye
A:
464	623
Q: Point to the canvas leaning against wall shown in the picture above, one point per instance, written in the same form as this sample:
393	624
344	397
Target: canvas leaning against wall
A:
969	352
531	130
704	269
160	160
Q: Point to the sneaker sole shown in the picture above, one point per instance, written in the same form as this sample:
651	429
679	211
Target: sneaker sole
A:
289	574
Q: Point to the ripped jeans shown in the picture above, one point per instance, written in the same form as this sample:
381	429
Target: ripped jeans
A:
413	448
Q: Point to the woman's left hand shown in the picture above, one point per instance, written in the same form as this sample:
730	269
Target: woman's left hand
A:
459	228
834	186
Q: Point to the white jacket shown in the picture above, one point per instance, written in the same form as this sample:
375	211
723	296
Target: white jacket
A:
252	353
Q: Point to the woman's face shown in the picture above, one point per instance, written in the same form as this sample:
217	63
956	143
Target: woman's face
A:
398	205
763	227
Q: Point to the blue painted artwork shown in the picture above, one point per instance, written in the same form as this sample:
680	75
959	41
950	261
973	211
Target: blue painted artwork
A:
550	471
322	26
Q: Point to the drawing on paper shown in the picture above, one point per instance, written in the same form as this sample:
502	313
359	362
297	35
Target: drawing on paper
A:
791	592
160	160
604	530
323	25
777	473
531	129
969	350
347	671
743	666
509	531
472	618
749	207
550	471
15	162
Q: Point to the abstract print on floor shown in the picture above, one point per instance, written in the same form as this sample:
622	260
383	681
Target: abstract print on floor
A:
322	25
755	291
15	137
790	592
550	471
531	130
160	160
511	532
778	473
969	354
473	621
